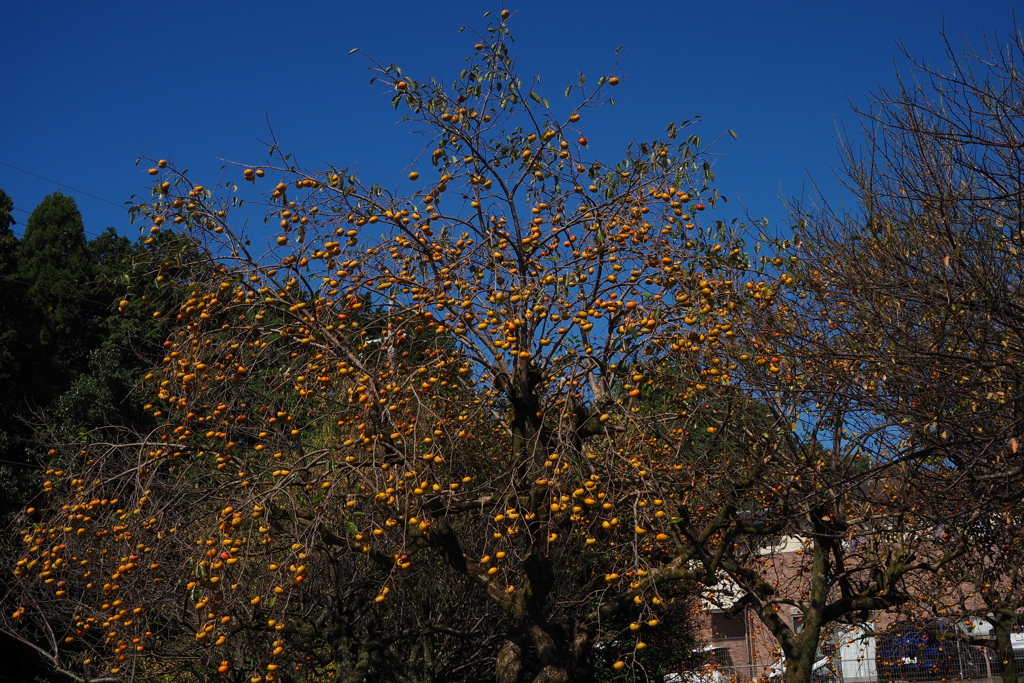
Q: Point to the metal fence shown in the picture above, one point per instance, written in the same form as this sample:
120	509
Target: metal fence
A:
895	656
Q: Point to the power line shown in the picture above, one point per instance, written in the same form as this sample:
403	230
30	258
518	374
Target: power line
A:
88	233
51	180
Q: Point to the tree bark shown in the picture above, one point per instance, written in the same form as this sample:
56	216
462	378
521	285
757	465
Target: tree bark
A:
1002	626
508	665
552	674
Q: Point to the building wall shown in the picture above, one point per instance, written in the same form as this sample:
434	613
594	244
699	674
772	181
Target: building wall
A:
853	650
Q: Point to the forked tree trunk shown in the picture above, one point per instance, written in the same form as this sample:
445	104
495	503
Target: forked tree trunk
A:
557	664
561	659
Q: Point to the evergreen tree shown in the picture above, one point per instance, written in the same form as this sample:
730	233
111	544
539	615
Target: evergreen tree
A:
6	219
54	261
10	297
14	313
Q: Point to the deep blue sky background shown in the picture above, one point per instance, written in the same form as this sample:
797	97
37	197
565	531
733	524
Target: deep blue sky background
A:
90	86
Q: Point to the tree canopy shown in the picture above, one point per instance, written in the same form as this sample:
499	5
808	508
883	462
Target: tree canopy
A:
507	420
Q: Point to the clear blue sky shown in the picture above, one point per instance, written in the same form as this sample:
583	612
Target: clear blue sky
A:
90	86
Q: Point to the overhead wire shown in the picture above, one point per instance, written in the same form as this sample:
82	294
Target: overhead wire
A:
59	184
63	185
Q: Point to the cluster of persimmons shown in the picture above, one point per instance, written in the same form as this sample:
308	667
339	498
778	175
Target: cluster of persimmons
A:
525	356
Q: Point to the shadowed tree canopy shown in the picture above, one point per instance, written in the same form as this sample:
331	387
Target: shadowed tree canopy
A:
54	259
6	219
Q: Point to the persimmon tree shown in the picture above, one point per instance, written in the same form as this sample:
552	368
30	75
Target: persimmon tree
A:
455	374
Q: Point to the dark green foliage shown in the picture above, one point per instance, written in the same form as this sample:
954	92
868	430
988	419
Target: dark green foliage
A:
124	340
55	263
6	219
10	298
70	357
16	354
53	319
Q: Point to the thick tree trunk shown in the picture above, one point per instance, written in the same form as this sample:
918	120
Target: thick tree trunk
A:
353	657
1002	627
802	649
357	671
561	657
508	665
558	665
799	668
552	674
801	652
562	661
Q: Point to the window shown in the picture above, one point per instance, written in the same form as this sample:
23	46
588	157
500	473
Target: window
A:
725	627
798	619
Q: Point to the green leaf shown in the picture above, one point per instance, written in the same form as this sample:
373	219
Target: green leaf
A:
353	50
732	133
351	528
